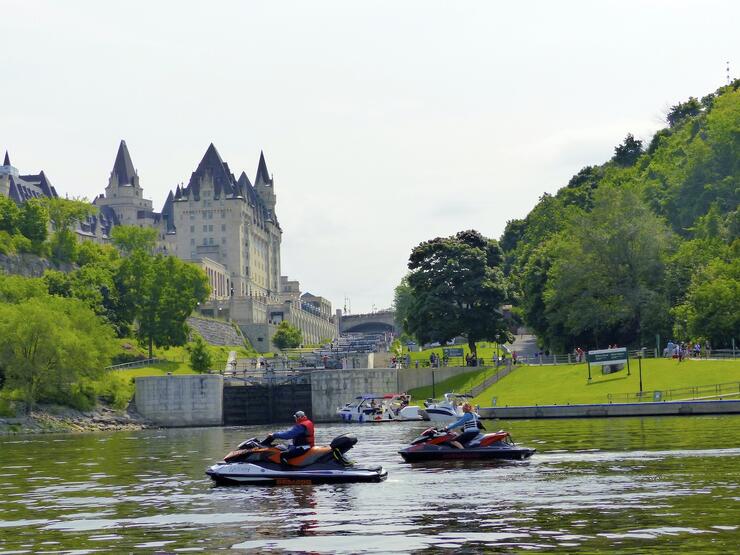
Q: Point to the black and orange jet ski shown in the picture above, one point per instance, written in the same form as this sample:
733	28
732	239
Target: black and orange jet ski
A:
258	462
434	444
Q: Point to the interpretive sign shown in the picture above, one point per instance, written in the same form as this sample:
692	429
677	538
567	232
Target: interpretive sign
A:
607	356
456	352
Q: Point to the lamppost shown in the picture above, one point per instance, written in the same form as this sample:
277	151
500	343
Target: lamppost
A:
639	363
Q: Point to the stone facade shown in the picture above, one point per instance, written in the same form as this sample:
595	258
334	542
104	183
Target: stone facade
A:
230	228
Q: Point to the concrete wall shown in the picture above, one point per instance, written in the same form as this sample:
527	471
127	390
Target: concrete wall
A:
331	389
667	408
175	401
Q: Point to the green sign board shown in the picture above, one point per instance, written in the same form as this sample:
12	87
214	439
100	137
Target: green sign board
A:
607	356
456	352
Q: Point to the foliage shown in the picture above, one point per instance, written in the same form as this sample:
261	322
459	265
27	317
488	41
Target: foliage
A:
34	220
457	287
628	152
287	336
129	238
200	358
9	215
688	177
48	345
711	309
63	214
160	292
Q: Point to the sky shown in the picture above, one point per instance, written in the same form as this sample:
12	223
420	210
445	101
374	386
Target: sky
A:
384	123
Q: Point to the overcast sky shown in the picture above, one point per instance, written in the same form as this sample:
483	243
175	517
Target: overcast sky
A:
384	123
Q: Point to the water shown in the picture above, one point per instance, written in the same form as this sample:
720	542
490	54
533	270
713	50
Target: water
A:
630	485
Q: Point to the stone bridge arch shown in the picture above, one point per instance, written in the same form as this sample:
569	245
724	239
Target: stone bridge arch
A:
375	322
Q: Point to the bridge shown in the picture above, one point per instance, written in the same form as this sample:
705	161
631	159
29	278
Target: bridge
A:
374	322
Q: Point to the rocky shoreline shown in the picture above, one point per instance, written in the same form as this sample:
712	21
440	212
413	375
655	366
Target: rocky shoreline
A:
55	419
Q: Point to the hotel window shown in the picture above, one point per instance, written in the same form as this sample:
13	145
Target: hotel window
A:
223	227
192	229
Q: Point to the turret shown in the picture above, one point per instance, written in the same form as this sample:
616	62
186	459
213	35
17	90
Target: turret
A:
264	185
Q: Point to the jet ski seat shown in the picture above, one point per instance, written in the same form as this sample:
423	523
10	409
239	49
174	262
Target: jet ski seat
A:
310	457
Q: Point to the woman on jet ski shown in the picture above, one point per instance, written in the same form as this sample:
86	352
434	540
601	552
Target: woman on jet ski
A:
469	424
301	434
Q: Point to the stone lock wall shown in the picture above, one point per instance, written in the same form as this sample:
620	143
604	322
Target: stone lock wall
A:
179	401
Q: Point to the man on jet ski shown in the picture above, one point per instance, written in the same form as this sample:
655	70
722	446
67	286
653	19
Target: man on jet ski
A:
469	424
301	434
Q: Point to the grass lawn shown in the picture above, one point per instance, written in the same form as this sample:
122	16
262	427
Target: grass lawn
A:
562	384
177	361
486	350
457	384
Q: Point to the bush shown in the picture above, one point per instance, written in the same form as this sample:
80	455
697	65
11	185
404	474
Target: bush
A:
6	243
115	389
22	244
200	358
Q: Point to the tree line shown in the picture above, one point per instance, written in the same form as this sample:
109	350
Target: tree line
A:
643	246
58	332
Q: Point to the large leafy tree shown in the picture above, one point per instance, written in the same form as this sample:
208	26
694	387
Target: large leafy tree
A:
606	282
49	344
159	293
457	287
33	221
287	336
129	238
712	306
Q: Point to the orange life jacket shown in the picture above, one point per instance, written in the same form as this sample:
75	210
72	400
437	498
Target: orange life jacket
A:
306	423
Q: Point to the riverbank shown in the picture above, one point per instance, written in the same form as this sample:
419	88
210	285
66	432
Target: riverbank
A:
56	419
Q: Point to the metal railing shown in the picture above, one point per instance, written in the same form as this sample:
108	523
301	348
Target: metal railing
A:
135	364
712	391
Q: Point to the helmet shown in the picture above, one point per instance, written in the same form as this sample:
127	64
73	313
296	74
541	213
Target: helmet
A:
299	414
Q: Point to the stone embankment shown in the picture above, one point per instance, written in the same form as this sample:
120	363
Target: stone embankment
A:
55	419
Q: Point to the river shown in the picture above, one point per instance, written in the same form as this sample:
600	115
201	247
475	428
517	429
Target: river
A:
631	485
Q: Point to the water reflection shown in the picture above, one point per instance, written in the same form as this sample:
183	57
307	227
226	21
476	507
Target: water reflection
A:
630	485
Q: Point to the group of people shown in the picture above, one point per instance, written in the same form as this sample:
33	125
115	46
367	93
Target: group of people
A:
682	350
302	432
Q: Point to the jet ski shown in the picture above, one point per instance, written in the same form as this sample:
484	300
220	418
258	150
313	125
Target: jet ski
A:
258	462
433	444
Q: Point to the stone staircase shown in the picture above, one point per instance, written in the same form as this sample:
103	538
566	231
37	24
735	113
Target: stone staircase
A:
215	332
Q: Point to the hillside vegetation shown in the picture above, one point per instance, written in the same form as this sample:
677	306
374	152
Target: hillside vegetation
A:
642	245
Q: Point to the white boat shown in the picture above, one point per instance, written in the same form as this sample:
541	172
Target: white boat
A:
448	410
392	407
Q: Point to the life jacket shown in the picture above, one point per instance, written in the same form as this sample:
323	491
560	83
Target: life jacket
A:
308	438
472	424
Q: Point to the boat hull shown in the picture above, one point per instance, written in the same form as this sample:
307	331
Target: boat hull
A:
270	474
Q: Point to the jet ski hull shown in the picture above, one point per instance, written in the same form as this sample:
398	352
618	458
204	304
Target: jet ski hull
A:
420	453
270	474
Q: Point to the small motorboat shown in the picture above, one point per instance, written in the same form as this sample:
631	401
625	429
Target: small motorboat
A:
258	462
434	444
392	407
448	410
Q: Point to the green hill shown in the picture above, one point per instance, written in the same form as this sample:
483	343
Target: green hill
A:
644	244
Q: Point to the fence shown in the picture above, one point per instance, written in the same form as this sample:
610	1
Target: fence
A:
135	364
730	389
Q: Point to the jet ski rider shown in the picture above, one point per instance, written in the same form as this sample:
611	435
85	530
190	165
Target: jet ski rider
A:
301	434
469	424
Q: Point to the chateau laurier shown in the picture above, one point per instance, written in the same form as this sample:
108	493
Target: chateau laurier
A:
226	225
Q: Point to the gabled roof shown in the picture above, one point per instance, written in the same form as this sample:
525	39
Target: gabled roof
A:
223	180
263	176
123	167
168	213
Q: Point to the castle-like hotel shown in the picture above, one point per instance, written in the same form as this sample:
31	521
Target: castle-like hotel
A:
226	225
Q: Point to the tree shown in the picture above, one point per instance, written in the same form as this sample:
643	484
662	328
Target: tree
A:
49	344
403	303
628	152
606	281
159	293
129	238
683	110
64	213
34	220
9	215
200	358
287	336
457	287
712	306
